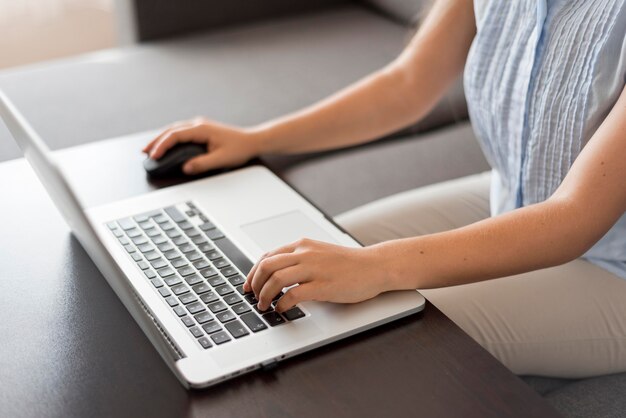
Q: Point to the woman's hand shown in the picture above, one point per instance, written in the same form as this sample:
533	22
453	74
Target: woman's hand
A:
227	146
323	272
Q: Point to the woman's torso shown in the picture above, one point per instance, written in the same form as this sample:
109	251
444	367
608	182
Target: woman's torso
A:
540	78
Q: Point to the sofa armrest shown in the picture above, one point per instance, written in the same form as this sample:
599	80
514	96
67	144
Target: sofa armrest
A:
161	19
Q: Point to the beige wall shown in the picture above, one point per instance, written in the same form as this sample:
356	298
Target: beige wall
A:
37	30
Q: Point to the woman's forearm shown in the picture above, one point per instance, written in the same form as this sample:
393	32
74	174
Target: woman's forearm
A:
387	100
526	239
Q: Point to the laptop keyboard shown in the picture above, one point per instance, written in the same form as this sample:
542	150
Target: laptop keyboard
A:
198	272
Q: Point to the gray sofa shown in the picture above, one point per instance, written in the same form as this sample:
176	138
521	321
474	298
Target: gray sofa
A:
243	62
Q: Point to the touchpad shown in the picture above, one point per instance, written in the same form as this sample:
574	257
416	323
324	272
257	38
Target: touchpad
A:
282	229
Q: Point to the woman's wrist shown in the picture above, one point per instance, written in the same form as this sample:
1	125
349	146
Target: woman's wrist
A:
399	267
264	137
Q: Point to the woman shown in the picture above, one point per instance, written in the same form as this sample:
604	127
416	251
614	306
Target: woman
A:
544	81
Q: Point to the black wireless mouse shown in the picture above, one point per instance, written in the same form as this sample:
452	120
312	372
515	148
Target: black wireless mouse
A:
171	163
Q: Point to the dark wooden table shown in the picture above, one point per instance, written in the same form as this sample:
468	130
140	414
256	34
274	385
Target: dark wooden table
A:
69	348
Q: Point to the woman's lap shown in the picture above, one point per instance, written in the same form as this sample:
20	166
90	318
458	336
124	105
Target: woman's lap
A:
565	321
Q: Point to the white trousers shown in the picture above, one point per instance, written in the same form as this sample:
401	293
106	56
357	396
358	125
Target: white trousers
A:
567	321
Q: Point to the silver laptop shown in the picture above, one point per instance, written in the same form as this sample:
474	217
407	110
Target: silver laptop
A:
177	259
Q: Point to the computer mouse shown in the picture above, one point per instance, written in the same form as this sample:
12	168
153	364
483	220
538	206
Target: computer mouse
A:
171	163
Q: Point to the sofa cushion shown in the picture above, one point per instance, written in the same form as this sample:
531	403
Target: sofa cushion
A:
345	179
404	11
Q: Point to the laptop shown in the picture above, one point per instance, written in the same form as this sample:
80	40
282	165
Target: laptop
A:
177	258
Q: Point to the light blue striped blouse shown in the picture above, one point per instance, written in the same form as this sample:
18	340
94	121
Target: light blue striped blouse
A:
540	78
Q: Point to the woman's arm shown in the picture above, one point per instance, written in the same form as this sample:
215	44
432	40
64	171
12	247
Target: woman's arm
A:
591	198
388	100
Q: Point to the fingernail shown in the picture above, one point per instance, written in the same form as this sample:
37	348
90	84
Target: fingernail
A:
188	169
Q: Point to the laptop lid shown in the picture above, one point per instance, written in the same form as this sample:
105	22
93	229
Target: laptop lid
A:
55	182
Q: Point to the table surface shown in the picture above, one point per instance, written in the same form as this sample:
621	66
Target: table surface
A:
71	349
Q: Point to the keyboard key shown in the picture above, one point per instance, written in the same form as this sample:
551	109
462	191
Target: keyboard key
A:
207	226
236	329
167	226
176	236
237	280
172	280
153	232
172	301
240	290
234	254
209	297
213	255
151	255
216	281
211	327
224	290
193	256
214	234
204	342
205	248
158	239
201	264
251	299
274	318
196	331
157	283
140	240
165	272
165	247
210	272
221	263
165	292
278	296
124	241
136	256
141	218
225	316
253	322
175	214
188	298
185	225
186	248
144	248
256	308
191	213
143	265
193	232
111	225
186	271
132	233
179	262
218	306
188	321
229	271
194	279
241	308
150	274
159	263
199	240
220	337
179	289
171	255
130	248
160	218
201	288
118	233
195	307
146	225
180	311
203	317
126	223
232	299
293	314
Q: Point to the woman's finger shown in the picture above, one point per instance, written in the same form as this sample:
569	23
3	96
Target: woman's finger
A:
166	130
268	266
278	281
196	133
289	248
295	295
206	162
